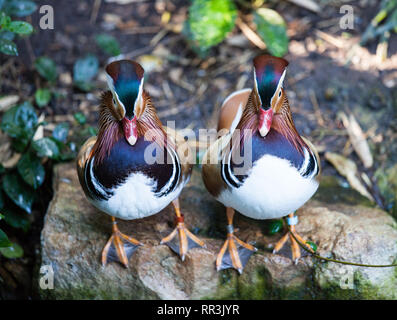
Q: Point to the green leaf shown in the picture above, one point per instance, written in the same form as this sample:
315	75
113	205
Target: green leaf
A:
8	47
19	122
272	29
1	202
80	118
61	131
7	35
275	226
312	245
46	68
42	97
12	252
5	20
108	44
20	27
31	170
209	22
46	147
18	192
4	242
84	70
16	219
20	8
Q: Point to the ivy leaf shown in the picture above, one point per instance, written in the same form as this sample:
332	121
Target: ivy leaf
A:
16	220
275	226
12	252
1	202
46	147
31	170
20	27
7	35
46	67
42	97
84	70
108	44
272	29
19	122
80	118
4	242
5	20
312	245
18	192
8	47
61	131
209	22
20	8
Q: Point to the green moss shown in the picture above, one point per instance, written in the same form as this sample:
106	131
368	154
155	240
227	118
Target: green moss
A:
254	286
258	285
362	289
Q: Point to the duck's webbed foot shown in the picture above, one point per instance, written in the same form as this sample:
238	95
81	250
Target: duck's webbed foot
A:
292	221
181	240
119	247
234	253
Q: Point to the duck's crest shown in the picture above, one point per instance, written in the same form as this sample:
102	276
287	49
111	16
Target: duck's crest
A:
269	74
125	78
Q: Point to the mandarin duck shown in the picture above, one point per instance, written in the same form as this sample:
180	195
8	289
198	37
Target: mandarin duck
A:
133	169
260	165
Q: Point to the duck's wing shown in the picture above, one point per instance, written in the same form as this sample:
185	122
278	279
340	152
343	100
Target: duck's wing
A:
232	109
317	157
184	151
83	157
211	165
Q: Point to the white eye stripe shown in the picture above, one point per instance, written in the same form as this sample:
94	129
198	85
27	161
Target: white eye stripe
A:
279	85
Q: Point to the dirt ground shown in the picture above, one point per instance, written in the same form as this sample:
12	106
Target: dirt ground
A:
329	73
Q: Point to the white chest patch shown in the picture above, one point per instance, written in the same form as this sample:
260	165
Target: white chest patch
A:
135	199
273	189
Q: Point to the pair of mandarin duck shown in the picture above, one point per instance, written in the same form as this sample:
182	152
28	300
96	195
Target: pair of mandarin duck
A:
259	166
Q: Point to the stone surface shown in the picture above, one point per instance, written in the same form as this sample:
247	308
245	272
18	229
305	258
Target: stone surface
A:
75	233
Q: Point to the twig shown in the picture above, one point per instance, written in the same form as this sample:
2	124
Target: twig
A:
95	10
307	4
316	107
330	39
142	30
250	34
303	246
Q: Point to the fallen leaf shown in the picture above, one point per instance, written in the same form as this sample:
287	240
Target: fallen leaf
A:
7	102
348	169
357	139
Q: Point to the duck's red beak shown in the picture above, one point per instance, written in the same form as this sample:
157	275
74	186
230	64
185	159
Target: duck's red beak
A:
265	121
130	130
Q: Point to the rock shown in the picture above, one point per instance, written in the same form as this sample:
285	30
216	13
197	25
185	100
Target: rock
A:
75	232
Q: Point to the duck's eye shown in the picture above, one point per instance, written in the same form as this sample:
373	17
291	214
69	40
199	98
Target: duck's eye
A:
279	94
114	101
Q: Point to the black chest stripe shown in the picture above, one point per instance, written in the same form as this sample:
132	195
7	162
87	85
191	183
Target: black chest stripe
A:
97	192
125	160
273	144
312	167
